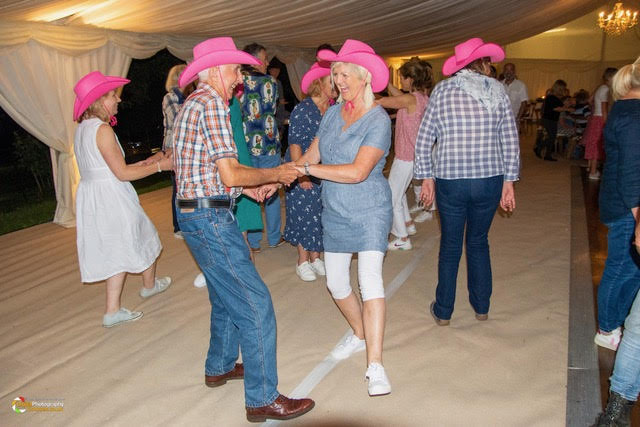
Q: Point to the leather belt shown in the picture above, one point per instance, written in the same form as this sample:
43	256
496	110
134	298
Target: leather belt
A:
204	203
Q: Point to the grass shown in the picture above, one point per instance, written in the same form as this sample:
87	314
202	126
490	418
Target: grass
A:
20	212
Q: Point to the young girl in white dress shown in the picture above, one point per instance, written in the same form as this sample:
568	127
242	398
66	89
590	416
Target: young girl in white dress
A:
114	235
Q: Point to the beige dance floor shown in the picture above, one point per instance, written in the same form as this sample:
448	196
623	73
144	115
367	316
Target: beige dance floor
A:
508	371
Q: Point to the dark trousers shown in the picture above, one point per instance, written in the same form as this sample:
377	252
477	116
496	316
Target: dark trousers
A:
465	204
550	141
176	226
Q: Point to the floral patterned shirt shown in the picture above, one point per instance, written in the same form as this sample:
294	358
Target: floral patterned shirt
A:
259	104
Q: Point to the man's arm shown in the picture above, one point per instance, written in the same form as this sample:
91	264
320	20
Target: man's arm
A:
233	174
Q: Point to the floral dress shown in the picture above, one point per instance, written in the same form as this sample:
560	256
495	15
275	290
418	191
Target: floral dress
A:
304	207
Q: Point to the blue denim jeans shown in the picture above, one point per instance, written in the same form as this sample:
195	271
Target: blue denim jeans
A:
621	276
465	204
271	206
626	371
241	308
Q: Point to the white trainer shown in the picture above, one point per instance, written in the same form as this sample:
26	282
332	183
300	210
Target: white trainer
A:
119	317
178	235
423	216
200	281
378	381
416	208
305	272
411	229
318	267
400	245
610	340
351	345
160	285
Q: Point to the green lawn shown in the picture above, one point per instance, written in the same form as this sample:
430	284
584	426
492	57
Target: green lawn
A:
18	212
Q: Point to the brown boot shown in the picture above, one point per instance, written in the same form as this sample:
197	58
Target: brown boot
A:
217	380
282	408
617	413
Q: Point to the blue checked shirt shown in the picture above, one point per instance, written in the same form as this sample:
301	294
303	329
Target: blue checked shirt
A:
472	142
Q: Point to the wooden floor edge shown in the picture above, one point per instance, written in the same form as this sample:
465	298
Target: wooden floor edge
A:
583	381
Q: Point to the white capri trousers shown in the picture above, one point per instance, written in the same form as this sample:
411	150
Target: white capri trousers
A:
338	264
399	179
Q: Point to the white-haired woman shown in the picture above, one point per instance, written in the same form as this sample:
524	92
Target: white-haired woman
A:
352	142
620	198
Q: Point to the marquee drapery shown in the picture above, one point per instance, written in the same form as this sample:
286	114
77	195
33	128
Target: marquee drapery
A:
67	38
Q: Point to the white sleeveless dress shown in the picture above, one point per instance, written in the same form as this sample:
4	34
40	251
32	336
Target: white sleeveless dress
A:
114	235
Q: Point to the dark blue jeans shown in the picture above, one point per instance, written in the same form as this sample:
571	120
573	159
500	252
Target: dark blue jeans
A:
465	204
241	308
621	276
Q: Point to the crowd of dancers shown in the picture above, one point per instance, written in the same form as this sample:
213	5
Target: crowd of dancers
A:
222	143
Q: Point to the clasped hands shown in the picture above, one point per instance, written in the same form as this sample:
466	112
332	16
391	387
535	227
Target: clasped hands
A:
164	158
287	173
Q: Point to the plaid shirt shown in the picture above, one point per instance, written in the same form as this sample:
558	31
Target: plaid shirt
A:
201	135
472	142
171	105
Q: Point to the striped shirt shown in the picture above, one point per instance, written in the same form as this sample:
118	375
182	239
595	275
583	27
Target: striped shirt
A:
472	142
201	135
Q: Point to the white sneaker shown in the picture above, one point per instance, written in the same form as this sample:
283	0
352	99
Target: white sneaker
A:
610	340
423	216
200	281
400	245
595	176
160	285
416	208
318	267
411	229
378	381
351	345
178	235
305	272
121	316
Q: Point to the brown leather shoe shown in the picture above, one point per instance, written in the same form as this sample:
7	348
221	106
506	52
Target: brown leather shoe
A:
282	408
439	321
482	317
217	380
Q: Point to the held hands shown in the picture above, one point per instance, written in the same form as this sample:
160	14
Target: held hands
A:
166	163
287	173
508	199
305	183
428	192
260	194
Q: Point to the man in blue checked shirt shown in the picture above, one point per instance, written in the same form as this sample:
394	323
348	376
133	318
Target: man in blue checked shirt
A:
477	159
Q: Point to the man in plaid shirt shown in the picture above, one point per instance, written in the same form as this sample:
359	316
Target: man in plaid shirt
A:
208	178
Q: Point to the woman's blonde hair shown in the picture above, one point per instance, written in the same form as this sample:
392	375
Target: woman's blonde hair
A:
558	88
364	75
173	76
626	79
315	88
96	110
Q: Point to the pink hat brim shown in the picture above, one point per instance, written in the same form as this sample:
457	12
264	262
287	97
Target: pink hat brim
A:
492	50
372	62
79	106
315	72
213	59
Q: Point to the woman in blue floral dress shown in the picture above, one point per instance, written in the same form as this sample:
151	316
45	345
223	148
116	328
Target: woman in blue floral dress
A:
304	207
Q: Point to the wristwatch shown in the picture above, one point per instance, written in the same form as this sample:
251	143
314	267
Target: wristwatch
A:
306	169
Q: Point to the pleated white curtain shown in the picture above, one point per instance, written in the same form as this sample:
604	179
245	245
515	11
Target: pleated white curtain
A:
40	64
296	70
36	90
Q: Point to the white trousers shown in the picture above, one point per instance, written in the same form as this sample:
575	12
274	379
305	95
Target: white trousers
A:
338	264
399	179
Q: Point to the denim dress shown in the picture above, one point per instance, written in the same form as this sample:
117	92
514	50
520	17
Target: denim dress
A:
355	217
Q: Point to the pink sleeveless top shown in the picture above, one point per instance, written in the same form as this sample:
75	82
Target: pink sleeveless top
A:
407	128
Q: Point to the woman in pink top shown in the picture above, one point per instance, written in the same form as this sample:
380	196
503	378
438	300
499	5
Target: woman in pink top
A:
416	78
592	139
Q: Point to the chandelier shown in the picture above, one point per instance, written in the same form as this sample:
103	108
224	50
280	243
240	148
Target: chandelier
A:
618	21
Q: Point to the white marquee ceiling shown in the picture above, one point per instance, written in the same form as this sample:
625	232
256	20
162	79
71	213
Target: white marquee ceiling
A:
393	28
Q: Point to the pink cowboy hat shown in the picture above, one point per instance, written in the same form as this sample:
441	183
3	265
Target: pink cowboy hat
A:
469	51
91	87
362	54
213	52
315	72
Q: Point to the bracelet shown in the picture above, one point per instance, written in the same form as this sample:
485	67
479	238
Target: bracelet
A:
158	164
306	169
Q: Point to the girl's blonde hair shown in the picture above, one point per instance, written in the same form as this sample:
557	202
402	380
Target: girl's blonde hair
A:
173	76
626	79
96	110
364	75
